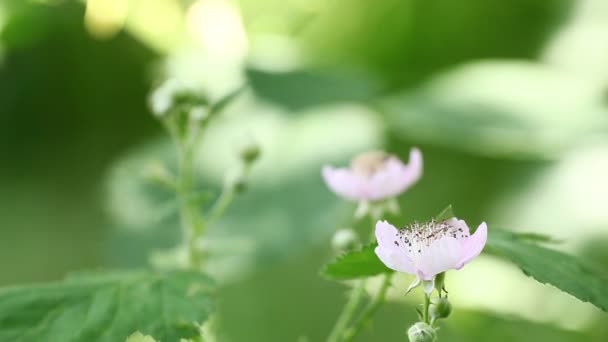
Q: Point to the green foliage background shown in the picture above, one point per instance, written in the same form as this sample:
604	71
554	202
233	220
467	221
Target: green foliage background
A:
75	133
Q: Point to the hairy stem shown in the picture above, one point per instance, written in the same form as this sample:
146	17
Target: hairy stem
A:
371	309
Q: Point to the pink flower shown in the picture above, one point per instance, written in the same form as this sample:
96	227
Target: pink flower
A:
374	176
430	248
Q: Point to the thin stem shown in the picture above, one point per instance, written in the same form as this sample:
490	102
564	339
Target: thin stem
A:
222	202
371	309
348	312
190	216
425	310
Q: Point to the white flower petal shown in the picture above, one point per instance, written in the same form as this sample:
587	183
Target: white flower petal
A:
344	182
389	249
473	246
396	177
442	254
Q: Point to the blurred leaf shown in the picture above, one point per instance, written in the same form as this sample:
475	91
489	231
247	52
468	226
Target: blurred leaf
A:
301	89
535	237
107	307
553	267
501	108
357	264
223	102
139	337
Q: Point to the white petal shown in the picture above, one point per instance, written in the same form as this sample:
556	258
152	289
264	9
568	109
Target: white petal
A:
474	245
459	224
345	183
390	249
443	254
396	177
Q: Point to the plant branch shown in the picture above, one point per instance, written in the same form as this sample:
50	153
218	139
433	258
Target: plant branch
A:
371	309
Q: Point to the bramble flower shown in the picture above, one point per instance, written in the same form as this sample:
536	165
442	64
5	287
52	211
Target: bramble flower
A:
428	249
374	177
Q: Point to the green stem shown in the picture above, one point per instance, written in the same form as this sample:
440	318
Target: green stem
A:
337	333
190	215
220	205
371	309
425	310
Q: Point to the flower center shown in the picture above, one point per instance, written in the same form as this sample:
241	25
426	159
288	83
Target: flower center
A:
368	163
417	237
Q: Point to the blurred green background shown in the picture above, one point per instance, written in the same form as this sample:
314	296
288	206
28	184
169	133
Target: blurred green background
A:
508	101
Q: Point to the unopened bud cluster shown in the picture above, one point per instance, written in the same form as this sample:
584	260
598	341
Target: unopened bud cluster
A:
175	97
422	332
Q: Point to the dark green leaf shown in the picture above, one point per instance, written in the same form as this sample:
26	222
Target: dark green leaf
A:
361	263
553	267
303	88
107	307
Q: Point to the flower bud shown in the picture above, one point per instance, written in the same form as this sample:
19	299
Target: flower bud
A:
421	332
441	309
161	99
344	239
250	152
174	94
240	186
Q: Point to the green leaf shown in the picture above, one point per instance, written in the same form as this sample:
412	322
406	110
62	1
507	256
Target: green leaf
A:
306	88
139	337
361	263
107	307
549	266
468	109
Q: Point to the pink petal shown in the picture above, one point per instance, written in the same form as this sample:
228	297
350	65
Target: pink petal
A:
443	254
389	249
396	177
344	182
474	245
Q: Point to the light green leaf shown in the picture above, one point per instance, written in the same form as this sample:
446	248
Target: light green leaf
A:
550	266
139	337
356	264
107	307
467	108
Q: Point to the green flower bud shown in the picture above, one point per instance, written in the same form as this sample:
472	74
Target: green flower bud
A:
441	309
240	186
250	152
344	239
421	332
